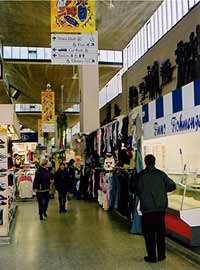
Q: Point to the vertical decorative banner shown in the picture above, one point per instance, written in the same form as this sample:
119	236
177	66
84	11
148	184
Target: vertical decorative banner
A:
73	16
40	133
48	111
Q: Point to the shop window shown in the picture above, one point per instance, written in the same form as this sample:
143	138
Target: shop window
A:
148	35
125	60
134	50
156	26
118	57
47	53
7	52
75	129
32	53
24	53
179	9
152	31
185	7
139	45
40	53
145	38
191	3
160	22
169	14
75	108
15	53
174	12
119	83
111	56
142	42
102	97
103	56
129	55
164	17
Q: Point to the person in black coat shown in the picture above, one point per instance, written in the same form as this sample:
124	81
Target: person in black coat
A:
152	187
41	186
71	176
62	186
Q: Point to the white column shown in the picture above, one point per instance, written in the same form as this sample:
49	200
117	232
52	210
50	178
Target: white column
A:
89	92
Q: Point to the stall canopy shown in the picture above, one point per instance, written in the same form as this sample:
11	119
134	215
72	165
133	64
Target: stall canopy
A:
175	113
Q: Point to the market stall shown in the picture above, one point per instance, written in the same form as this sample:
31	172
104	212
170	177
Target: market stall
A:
171	132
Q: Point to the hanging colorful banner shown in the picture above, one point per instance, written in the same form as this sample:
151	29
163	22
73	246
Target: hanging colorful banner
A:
40	134
48	111
48	107
73	16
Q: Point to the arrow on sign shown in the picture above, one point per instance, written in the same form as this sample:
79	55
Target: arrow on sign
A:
54	49
54	55
54	38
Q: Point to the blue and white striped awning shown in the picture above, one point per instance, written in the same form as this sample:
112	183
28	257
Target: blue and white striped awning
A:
181	99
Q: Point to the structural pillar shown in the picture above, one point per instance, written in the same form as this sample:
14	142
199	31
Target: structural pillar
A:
89	93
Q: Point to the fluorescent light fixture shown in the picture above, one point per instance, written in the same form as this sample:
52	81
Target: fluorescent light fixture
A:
14	92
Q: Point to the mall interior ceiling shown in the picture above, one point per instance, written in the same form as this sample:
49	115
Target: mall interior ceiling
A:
27	24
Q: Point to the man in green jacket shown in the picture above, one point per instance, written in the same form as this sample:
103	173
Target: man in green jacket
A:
152	188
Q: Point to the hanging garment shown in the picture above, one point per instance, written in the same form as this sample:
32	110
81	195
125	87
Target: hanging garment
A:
25	187
123	193
109	138
125	130
99	142
137	222
115	133
139	132
104	189
120	129
100	197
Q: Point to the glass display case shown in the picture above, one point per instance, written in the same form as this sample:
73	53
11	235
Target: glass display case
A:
187	194
183	213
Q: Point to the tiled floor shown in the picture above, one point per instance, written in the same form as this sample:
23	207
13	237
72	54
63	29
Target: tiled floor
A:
85	238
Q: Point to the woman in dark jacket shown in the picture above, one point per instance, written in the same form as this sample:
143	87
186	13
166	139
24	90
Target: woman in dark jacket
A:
62	186
71	176
41	186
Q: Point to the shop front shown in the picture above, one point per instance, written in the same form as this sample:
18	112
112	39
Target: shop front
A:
9	130
171	126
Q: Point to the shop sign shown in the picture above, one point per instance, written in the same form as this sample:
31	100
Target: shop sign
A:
48	128
48	111
178	123
29	137
73	49
73	16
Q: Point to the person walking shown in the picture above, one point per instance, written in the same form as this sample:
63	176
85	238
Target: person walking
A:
152	187
62	186
41	186
71	177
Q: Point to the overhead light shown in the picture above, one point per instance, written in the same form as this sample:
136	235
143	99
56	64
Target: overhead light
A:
14	92
75	74
48	86
111	6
